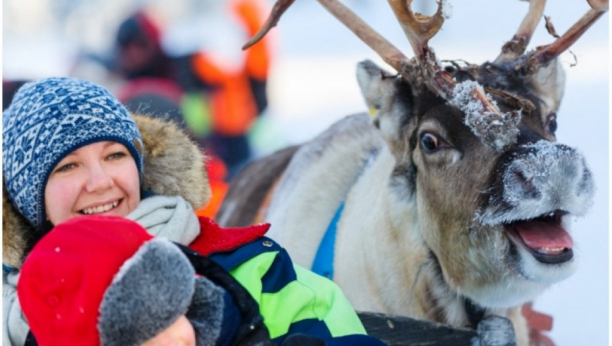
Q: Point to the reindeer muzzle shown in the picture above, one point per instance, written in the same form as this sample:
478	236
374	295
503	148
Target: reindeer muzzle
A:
536	186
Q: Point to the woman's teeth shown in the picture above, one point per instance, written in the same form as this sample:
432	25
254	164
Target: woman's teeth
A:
100	208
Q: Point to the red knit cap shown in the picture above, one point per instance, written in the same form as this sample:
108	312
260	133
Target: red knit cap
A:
63	280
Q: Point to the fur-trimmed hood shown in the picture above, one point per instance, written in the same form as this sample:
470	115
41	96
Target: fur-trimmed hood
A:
173	165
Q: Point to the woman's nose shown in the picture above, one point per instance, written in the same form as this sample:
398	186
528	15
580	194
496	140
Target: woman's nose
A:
99	179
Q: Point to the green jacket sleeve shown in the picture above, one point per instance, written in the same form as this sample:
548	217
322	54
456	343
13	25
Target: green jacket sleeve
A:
292	299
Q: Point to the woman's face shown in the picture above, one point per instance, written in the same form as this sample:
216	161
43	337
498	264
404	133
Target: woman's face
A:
100	178
180	333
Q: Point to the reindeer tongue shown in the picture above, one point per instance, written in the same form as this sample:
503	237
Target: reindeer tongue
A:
543	234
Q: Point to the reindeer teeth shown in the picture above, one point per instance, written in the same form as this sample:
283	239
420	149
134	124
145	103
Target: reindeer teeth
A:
552	251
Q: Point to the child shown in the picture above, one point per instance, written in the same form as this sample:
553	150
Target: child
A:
70	149
105	281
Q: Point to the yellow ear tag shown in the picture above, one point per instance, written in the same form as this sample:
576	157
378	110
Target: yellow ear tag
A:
372	111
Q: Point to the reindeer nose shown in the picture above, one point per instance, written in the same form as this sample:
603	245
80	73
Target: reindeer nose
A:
523	182
535	179
550	174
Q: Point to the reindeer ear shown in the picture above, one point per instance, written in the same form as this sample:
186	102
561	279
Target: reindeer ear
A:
389	99
377	87
548	82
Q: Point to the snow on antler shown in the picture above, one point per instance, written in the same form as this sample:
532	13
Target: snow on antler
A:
498	130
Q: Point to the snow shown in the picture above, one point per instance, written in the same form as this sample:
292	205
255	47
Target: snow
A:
497	131
313	84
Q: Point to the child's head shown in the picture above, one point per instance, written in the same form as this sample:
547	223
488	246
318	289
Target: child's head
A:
105	281
70	136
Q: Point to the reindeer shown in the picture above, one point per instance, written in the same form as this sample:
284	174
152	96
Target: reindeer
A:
452	200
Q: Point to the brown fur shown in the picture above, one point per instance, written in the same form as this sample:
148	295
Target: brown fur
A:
246	194
16	232
173	165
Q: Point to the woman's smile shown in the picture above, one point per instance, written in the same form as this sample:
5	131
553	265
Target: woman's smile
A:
100	208
97	179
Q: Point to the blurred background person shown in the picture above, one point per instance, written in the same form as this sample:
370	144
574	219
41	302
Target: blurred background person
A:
217	98
179	67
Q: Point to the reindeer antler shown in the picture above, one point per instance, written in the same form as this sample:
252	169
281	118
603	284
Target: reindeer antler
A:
482	115
387	51
419	29
543	55
277	11
599	5
518	44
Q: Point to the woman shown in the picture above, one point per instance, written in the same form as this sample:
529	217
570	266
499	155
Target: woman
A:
71	149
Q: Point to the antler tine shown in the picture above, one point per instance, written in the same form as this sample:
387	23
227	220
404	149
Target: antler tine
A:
600	5
277	11
545	54
390	54
496	129
418	28
517	45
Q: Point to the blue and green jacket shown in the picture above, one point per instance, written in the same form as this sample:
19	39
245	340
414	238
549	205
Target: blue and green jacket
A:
291	299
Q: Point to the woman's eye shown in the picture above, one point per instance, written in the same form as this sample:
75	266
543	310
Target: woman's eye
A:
551	125
65	168
429	142
116	156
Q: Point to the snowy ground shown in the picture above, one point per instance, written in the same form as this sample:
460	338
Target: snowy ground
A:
313	84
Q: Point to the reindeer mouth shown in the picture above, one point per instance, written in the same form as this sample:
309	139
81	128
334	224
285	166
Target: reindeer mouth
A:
544	237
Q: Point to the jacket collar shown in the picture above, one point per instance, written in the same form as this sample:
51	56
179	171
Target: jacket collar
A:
214	238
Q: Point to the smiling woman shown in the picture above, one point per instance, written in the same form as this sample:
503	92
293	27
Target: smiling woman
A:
73	118
70	150
99	178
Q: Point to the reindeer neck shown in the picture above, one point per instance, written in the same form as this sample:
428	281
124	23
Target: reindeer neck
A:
442	303
372	243
374	235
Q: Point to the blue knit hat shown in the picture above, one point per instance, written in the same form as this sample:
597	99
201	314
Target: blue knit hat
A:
47	120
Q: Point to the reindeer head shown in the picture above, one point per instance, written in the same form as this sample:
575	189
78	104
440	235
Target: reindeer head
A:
475	153
493	218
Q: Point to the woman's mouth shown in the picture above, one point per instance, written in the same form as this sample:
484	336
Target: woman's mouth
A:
100	208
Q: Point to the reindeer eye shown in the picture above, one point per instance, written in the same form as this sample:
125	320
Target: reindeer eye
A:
429	142
551	124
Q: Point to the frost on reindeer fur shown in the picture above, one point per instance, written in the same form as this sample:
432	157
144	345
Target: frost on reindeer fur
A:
493	130
548	157
559	175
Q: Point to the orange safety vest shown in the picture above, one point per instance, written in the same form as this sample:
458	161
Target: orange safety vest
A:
232	102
